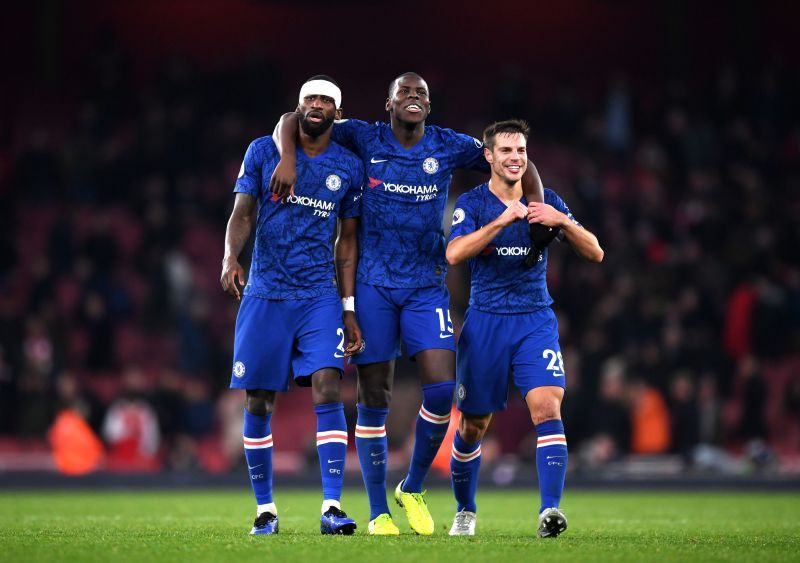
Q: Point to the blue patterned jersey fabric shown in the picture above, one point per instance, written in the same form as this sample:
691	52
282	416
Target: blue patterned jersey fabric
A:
401	241
500	283
293	249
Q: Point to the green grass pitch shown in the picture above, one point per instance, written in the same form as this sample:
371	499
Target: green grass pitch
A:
214	526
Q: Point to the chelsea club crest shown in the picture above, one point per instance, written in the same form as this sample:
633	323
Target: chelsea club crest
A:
431	165
333	182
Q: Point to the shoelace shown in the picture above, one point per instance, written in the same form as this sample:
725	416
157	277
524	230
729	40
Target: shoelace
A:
462	521
419	497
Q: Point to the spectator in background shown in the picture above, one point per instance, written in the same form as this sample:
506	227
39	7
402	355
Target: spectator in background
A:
650	419
76	448
753	393
684	415
131	428
35	384
100	329
610	419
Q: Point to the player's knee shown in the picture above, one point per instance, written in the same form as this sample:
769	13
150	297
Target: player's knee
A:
326	392
544	403
374	397
472	429
325	386
548	408
259	403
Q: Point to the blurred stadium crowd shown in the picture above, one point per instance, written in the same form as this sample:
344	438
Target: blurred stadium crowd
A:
115	335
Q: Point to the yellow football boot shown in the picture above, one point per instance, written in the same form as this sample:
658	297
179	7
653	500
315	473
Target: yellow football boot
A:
383	525
416	510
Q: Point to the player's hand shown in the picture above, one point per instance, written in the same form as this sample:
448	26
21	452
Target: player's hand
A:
513	212
231	272
547	215
355	340
281	184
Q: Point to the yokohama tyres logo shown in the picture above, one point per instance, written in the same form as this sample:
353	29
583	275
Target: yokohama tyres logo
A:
408	189
321	207
512	250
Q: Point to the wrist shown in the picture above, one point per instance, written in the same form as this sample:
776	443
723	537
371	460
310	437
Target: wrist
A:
349	304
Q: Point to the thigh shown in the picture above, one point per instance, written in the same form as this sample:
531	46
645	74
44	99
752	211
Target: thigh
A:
483	363
262	346
379	319
320	338
425	320
537	360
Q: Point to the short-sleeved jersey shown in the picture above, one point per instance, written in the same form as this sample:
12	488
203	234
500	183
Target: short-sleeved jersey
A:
293	249
500	283
401	241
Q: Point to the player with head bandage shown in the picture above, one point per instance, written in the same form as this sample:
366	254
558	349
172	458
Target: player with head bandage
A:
400	295
290	318
509	328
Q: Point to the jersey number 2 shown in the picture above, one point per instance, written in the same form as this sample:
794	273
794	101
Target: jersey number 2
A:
340	347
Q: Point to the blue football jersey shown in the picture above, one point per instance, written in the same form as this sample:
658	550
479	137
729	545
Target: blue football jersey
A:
500	283
401	241
293	249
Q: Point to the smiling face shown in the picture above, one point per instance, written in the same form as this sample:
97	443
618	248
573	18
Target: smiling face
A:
508	157
317	114
409	100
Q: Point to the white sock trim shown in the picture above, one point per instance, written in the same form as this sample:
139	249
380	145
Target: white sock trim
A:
269	507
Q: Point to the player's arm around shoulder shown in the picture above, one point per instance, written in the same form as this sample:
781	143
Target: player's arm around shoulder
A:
466	239
581	239
284	176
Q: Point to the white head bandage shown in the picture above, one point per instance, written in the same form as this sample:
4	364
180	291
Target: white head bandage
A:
321	88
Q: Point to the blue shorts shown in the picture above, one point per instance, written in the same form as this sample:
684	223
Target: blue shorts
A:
276	338
494	347
421	315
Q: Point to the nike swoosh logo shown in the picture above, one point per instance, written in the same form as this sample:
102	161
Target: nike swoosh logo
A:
558	375
555	456
377	454
462	473
338	355
259	465
334	460
445	335
374	160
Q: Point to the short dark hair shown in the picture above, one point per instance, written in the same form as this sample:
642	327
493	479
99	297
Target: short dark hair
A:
322	77
508	126
394	82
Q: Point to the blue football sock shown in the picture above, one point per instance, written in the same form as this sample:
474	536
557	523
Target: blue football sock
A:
331	448
432	421
373	454
464	466
551	461
258	453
